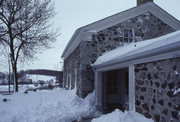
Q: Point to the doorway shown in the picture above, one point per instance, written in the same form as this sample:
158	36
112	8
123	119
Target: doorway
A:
115	90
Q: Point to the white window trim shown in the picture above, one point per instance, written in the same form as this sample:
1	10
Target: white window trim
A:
133	35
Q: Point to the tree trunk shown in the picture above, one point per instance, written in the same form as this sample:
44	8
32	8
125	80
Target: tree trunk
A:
14	69
13	60
9	83
15	79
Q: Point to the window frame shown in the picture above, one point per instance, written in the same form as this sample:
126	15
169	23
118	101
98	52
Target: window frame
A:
127	37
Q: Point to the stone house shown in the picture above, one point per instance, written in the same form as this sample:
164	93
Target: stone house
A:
143	22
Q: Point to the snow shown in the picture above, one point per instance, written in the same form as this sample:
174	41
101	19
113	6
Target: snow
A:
22	88
138	47
59	105
119	116
177	91
140	20
46	106
176	72
5	87
35	78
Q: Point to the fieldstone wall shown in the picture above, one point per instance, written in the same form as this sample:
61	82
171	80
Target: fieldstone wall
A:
157	94
77	69
72	75
89	55
145	26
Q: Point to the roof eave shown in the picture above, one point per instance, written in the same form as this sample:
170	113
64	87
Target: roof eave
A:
70	42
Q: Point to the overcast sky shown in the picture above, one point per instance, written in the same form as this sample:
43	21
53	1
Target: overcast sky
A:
72	14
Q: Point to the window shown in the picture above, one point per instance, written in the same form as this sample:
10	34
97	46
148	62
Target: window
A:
127	35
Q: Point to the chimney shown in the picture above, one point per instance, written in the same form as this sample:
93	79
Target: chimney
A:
140	2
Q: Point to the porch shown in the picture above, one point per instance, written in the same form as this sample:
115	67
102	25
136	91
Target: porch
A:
115	89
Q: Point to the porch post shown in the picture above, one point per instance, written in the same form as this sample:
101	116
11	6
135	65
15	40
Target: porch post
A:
131	88
98	90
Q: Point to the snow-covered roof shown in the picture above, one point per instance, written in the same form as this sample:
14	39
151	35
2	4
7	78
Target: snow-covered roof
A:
160	45
85	33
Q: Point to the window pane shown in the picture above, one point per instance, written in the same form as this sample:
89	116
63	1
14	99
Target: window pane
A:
130	34
125	32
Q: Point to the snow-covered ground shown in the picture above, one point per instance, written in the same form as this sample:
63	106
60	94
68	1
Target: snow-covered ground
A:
35	78
59	105
119	116
22	88
5	87
46	106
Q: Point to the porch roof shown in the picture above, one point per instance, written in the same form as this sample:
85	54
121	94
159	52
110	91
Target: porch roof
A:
143	49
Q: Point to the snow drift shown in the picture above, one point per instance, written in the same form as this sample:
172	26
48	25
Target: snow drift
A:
46	106
119	116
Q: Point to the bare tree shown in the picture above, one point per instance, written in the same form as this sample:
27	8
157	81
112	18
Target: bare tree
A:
25	29
5	53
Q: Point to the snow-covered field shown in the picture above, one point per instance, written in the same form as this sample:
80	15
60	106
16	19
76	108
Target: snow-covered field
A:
46	106
35	78
22	88
5	87
59	105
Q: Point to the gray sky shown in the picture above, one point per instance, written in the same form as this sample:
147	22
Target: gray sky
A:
72	14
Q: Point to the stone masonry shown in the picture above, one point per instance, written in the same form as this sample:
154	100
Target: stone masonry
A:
156	90
77	66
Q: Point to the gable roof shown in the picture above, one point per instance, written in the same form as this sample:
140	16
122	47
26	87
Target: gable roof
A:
164	44
86	32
